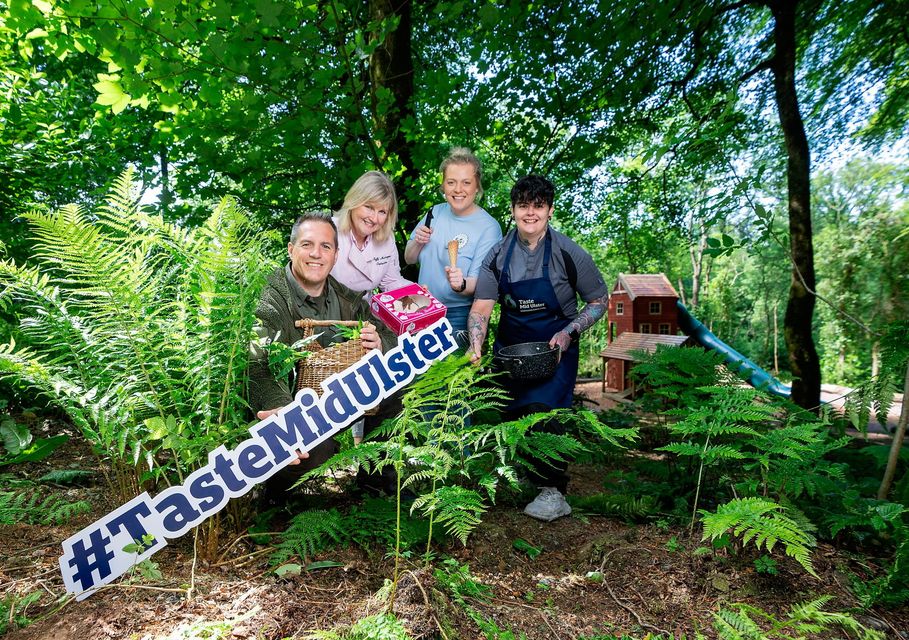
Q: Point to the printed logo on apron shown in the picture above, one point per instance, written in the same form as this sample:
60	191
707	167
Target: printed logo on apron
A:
529	306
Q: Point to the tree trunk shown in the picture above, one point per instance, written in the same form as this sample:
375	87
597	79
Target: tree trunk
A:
776	341
875	358
391	70
803	358
696	252
166	197
897	444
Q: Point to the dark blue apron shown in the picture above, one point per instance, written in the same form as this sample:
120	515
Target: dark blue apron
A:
530	312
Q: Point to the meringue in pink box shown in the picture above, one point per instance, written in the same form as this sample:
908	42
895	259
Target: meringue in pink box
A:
408	309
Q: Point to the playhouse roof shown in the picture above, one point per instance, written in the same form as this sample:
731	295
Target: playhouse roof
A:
629	341
645	284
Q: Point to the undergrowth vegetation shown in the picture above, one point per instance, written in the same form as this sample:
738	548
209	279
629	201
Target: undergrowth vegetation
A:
138	330
767	473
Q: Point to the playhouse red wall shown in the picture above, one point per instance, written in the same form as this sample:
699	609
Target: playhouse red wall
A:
637	313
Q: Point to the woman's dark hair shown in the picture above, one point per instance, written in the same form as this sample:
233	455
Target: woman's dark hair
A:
533	190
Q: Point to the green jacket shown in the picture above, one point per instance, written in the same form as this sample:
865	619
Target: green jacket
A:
276	315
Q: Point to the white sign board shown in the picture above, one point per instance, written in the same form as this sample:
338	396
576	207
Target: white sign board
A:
95	556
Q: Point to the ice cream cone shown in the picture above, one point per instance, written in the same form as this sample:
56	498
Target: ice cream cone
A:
453	253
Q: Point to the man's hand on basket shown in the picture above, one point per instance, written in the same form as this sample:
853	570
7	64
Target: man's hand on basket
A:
369	337
301	455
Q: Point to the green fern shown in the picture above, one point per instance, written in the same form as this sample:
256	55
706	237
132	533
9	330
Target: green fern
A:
456	508
130	319
310	532
873	398
66	476
763	521
369	456
859	514
31	506
675	377
745	438
624	506
456	465
891	588
381	626
734	624
808	619
376	521
465	591
13	610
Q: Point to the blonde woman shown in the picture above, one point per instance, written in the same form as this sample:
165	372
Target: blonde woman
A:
458	221
367	255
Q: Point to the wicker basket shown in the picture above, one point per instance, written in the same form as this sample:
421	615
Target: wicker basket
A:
323	362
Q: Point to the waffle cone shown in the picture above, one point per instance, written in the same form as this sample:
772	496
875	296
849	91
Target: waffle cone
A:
453	253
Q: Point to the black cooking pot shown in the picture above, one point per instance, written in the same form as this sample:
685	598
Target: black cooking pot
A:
528	360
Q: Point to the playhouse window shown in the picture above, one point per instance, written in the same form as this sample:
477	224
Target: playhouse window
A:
645	327
620	308
656	308
664	328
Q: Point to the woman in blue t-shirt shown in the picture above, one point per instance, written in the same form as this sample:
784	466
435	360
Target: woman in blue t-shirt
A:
458	221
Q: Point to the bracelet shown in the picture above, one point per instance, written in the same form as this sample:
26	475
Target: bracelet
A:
463	286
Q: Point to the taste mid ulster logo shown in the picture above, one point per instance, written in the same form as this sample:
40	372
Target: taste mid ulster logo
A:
95	556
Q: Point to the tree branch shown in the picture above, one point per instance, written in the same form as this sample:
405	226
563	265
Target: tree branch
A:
772	235
766	65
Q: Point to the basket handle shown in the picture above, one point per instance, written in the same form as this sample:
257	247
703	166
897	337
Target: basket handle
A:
309	322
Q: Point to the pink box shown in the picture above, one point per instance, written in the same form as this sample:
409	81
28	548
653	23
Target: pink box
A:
422	309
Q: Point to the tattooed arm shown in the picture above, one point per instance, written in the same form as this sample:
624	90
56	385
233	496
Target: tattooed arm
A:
478	325
589	315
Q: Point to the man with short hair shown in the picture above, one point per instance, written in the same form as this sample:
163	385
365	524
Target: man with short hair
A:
536	274
304	289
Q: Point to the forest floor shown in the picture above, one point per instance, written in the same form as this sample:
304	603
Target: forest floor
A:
648	578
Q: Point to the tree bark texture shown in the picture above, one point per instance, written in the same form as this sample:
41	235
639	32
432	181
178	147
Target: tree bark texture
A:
897	444
166	198
696	252
797	323
391	69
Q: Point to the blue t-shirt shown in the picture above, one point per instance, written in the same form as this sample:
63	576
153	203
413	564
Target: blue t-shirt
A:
476	234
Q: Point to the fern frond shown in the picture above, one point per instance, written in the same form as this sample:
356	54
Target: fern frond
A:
807	619
456	508
550	446
134	319
736	625
65	476
764	522
622	505
310	532
367	456
33	507
589	422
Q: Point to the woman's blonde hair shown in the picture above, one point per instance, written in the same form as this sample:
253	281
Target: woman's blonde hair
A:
463	155
373	187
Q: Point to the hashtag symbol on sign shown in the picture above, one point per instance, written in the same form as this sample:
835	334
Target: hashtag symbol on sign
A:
95	557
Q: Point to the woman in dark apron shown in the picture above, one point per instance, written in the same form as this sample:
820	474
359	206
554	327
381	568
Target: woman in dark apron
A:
535	274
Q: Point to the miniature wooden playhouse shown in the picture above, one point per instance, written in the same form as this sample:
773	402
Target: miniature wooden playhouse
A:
642	314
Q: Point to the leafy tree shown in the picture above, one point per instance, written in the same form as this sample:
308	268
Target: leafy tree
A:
283	105
56	147
861	214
